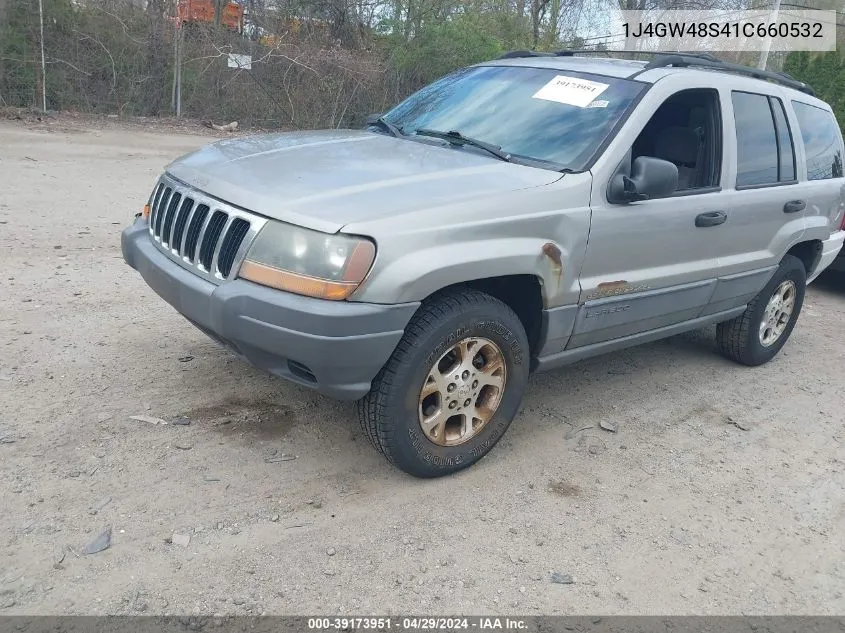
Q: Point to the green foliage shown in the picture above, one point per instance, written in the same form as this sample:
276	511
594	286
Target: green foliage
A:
439	48
825	73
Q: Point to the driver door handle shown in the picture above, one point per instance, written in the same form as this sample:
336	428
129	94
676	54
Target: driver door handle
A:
711	218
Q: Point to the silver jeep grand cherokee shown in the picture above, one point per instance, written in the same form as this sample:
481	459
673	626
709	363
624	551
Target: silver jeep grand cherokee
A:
513	216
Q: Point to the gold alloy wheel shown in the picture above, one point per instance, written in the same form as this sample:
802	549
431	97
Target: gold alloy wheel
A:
462	391
777	313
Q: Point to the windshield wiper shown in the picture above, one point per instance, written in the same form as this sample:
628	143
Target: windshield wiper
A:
384	124
456	138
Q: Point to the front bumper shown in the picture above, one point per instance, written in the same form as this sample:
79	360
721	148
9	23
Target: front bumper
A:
334	347
833	255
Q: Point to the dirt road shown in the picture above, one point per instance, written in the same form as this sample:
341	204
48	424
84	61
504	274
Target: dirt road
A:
721	492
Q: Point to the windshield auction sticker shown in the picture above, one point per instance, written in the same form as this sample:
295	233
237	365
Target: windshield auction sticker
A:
571	91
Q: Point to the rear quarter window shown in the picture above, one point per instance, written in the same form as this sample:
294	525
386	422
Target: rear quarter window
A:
822	141
764	151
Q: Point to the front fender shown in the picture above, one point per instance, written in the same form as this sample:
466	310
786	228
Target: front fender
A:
420	273
501	234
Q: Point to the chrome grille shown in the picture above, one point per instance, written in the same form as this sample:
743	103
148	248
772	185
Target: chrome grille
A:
202	234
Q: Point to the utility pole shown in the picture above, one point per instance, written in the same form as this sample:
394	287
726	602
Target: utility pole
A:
179	72
176	98
43	63
764	54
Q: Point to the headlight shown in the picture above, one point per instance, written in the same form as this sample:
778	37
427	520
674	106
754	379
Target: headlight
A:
306	262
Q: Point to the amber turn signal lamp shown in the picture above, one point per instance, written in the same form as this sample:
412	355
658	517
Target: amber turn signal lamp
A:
294	282
146	212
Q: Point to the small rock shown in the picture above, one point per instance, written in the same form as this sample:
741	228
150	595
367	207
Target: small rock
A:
210	478
183	447
180	420
561	579
6	603
186	359
742	426
421	546
595	448
702	588
238	601
272	459
181	539
522	590
99	506
328	572
275	518
512	530
331	551
607	425
102	542
539	542
147	418
147	406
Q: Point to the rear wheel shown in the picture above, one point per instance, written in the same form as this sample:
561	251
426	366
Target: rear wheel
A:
758	334
451	387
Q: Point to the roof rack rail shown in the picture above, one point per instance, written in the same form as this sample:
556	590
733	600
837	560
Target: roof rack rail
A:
513	54
663	59
570	52
682	60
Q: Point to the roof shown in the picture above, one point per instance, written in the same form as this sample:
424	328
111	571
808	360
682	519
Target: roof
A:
666	63
609	66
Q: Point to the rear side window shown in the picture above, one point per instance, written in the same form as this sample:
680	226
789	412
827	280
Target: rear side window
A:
765	151
822	141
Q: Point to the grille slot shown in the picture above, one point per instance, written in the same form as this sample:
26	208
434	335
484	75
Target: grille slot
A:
157	197
179	225
204	235
231	243
209	241
194	229
159	214
168	217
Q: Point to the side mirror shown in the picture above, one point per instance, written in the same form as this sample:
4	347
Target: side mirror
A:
650	178
372	118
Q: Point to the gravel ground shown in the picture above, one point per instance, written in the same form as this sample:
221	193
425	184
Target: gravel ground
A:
720	492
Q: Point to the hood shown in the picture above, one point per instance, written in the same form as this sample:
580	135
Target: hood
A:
326	179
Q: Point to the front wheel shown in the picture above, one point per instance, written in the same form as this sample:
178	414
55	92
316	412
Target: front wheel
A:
756	336
451	387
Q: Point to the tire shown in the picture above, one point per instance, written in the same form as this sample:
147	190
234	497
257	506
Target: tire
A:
740	338
447	328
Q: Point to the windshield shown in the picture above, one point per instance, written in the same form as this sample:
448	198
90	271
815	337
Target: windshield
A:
548	115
